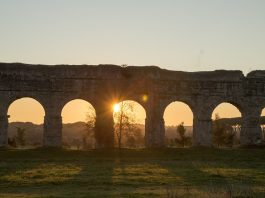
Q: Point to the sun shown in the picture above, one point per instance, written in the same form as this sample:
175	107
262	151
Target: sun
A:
116	108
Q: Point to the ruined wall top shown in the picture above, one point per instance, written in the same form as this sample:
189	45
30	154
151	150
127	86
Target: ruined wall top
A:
256	74
111	82
114	71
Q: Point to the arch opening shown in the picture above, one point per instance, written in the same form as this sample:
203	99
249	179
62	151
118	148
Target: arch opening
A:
25	128
262	125
78	119
129	124
226	125
178	118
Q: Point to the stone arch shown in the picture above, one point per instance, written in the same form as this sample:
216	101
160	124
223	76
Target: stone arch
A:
64	100
212	103
76	100
187	104
187	101
170	126
134	136
230	117
37	98
237	107
78	119
29	108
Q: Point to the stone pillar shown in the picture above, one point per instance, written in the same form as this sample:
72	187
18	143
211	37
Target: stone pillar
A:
202	131
104	125
3	129
250	133
52	135
154	129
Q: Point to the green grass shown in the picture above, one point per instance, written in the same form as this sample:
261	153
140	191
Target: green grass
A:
133	173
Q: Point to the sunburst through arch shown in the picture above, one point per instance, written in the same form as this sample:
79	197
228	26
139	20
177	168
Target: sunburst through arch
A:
129	124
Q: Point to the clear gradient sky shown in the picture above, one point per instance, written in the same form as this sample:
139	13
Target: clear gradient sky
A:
189	35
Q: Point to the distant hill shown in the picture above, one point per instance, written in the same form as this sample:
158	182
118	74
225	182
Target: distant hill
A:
34	132
73	131
70	132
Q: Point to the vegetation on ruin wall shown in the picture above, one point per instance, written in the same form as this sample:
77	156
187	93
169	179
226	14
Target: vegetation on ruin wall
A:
133	173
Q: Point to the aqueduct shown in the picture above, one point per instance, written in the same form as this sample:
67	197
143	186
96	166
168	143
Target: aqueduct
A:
152	87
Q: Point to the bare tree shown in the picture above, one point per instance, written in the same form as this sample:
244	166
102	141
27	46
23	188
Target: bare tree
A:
125	125
89	136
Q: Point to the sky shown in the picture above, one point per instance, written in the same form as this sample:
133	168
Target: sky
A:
187	35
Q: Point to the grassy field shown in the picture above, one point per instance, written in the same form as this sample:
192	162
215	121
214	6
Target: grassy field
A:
133	173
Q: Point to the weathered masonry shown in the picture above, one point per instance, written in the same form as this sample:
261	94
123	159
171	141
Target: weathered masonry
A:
152	87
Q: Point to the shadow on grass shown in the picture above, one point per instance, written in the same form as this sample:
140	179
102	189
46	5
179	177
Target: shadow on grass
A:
216	170
133	173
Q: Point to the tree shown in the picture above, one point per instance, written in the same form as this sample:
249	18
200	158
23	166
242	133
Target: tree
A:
125	126
183	140
21	136
122	120
89	136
